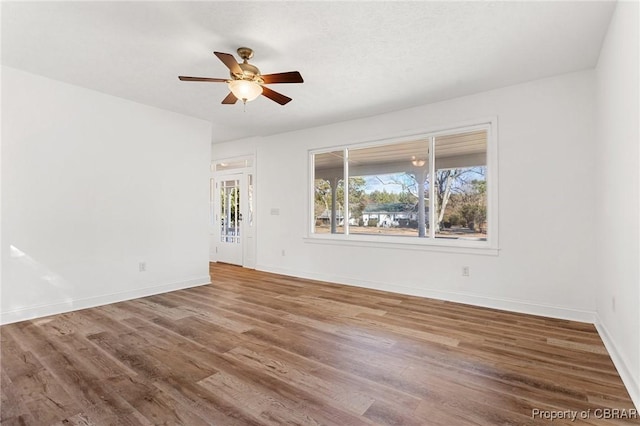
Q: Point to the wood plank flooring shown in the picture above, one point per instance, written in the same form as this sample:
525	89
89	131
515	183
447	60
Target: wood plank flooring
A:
261	349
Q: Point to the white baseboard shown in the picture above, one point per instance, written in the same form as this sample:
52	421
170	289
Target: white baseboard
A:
511	305
622	365
60	307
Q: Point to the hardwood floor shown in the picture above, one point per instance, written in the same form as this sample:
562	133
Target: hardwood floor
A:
260	349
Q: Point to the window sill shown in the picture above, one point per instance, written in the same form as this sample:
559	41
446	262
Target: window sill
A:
442	246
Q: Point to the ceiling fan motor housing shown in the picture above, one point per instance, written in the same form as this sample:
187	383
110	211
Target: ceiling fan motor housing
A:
249	72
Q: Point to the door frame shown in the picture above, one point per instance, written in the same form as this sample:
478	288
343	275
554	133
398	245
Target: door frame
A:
244	165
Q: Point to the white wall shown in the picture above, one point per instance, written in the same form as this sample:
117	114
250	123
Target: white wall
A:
91	186
618	136
547	203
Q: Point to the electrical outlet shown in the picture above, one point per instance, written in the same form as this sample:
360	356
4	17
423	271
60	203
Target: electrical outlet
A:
465	271
283	252
142	266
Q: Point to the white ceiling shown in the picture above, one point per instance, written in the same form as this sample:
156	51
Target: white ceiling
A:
357	58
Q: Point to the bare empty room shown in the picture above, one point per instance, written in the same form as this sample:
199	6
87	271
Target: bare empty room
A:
320	212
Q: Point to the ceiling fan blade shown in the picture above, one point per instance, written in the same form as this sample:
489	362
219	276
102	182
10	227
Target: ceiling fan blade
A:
275	96
229	61
230	99
283	77
215	80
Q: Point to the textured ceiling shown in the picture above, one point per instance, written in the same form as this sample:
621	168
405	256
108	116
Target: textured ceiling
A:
357	58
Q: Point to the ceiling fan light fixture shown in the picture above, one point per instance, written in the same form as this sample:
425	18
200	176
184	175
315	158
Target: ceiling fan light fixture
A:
417	162
245	90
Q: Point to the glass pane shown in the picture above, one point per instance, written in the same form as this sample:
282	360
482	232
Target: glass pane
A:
328	203
388	187
461	186
230	211
250	200
235	164
212	198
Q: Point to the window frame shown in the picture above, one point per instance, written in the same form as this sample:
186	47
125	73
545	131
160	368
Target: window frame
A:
489	246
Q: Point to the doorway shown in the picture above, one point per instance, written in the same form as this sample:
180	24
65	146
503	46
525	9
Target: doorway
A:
232	212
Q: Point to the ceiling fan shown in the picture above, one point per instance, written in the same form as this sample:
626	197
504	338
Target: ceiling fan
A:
246	82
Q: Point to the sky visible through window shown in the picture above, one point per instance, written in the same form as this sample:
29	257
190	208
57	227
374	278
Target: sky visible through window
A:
397	183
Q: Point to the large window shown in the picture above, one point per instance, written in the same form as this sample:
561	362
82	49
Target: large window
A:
433	188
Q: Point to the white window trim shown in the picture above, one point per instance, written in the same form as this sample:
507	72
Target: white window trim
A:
488	247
